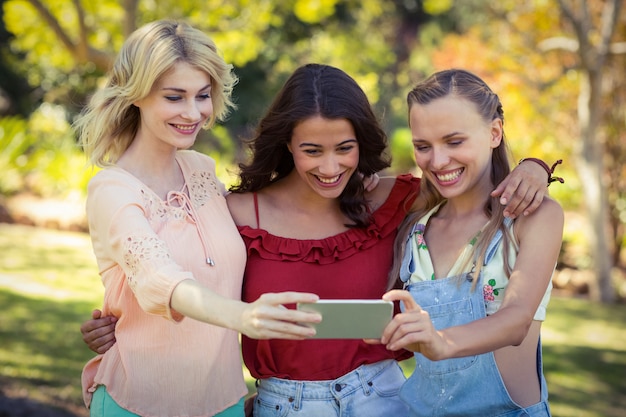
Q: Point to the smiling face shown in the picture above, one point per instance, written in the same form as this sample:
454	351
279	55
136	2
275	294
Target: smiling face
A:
176	108
325	154
453	145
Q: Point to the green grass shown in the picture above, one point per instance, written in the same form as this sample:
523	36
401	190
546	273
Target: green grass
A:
49	285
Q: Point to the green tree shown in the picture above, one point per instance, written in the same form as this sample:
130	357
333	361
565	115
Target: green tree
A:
566	104
16	96
68	45
589	31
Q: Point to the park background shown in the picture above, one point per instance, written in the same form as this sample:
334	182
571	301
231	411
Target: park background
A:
558	66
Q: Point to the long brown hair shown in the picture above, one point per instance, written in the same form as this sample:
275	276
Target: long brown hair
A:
464	84
316	90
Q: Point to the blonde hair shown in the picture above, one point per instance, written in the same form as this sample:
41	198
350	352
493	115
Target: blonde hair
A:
108	124
459	83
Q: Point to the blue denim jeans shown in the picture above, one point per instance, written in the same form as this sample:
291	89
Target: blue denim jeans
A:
467	386
368	391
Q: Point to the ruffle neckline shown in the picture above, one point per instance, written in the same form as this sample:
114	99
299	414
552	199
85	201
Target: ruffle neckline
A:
385	221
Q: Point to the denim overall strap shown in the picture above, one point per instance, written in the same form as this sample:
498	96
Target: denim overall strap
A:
495	242
467	386
408	263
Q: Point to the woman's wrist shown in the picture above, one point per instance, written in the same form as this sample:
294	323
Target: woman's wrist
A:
549	170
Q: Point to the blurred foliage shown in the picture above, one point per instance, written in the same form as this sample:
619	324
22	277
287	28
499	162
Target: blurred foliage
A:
40	155
13	148
16	96
60	49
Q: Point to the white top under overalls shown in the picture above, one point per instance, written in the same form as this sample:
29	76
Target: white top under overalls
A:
420	266
469	385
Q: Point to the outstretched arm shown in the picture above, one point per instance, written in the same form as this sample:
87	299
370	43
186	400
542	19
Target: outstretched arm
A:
264	318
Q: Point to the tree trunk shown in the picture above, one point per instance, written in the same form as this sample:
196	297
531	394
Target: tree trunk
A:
591	166
591	155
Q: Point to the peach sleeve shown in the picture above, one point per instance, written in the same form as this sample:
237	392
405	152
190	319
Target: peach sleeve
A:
123	235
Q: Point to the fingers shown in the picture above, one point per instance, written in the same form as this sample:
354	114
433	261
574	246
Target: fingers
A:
279	312
101	345
99	332
404	296
523	190
403	323
276	322
511	191
518	197
524	202
371	182
269	318
288	297
276	329
92	325
533	205
101	337
498	192
407	329
94	329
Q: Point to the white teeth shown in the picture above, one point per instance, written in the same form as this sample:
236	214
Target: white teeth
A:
329	180
185	128
449	176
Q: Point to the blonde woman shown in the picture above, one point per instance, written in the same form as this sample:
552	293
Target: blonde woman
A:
169	254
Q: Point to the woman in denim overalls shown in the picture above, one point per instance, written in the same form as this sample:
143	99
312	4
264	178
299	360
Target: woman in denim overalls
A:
478	283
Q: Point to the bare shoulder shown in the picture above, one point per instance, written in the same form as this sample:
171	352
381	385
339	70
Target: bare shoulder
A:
241	207
549	217
379	194
549	209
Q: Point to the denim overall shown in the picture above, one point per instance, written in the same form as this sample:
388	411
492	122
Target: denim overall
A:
467	386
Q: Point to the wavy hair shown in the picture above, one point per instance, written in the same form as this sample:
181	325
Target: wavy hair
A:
316	90
463	84
109	123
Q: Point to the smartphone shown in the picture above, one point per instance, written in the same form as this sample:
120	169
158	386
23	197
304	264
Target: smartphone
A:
350	319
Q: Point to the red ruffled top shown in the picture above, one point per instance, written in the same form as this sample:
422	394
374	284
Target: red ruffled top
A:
352	264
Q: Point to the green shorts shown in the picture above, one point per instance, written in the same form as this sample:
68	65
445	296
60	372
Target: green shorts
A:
102	403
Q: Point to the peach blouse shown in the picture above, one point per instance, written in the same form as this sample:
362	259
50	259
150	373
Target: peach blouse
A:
162	363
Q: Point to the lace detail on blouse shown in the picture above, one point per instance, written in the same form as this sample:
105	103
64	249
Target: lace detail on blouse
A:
143	249
154	206
202	187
